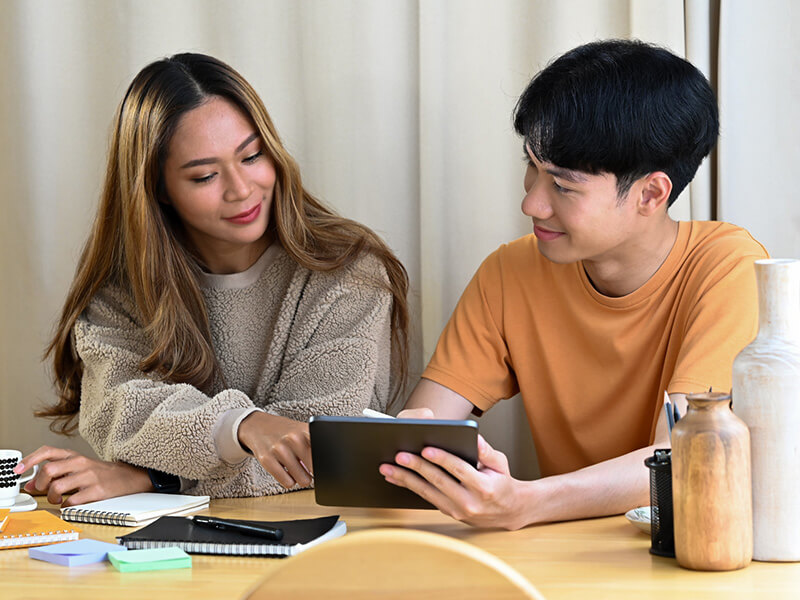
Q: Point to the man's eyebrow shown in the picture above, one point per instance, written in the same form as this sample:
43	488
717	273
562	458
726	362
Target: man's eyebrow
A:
568	174
208	161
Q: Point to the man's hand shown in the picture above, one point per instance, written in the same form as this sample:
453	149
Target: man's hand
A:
281	445
486	497
86	479
489	497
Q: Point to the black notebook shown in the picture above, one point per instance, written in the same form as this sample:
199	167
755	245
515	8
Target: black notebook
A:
298	535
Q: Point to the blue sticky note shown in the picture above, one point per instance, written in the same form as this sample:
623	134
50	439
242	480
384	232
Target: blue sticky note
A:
79	552
151	559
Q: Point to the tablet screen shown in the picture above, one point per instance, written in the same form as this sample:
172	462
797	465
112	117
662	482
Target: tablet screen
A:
347	452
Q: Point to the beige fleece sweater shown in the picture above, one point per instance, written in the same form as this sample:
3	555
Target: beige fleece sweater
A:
290	341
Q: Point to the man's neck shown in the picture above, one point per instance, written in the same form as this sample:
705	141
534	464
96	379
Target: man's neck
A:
634	264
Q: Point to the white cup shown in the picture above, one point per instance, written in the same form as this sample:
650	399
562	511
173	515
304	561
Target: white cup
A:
10	482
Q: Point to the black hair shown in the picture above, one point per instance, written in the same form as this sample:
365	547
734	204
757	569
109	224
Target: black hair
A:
623	107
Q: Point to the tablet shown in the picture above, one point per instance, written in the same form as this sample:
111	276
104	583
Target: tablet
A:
347	452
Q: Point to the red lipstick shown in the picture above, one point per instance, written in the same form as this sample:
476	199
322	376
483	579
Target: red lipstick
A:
247	216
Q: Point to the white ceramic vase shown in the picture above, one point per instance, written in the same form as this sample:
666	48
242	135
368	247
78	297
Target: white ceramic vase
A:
766	396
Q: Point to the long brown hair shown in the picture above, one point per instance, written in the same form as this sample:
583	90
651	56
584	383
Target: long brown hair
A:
135	241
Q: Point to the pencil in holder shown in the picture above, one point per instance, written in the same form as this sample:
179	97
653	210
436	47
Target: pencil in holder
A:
662	532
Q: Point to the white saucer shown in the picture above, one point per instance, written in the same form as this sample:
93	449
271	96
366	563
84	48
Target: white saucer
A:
640	517
23	502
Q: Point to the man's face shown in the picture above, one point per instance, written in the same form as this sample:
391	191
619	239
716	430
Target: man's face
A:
576	215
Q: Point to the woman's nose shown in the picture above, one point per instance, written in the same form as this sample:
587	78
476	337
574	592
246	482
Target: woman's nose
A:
238	188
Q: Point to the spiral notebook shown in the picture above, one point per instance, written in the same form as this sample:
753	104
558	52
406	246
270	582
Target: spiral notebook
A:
36	528
134	509
298	535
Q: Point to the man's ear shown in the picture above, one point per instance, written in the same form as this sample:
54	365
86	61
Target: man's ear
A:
655	190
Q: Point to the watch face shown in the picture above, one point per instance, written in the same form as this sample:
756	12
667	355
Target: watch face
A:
164	482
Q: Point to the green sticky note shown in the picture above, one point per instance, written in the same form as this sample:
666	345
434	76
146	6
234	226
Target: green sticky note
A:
152	559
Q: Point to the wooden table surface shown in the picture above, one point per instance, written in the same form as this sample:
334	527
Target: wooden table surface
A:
594	558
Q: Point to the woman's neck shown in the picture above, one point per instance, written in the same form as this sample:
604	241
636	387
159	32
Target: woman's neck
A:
227	260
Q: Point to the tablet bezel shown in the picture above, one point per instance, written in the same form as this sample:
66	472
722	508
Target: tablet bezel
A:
347	451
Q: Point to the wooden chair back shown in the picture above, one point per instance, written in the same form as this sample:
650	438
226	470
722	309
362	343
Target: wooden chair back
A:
395	563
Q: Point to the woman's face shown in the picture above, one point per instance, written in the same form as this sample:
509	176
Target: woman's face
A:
221	184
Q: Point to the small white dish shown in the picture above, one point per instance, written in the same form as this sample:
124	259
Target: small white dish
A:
640	517
22	503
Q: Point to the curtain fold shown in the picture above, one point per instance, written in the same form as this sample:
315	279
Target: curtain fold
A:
759	89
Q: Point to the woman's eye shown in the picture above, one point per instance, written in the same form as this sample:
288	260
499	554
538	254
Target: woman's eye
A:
253	157
205	179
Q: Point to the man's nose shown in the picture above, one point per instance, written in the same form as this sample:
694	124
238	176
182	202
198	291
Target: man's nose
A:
536	202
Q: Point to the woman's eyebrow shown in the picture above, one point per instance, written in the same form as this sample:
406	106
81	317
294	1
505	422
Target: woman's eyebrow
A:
208	161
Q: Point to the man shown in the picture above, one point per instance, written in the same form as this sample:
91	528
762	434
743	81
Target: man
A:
608	304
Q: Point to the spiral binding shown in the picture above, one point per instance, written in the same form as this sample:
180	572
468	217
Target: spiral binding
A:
213	548
100	517
35	539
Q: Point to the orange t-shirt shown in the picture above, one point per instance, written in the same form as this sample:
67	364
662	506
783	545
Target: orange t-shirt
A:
592	369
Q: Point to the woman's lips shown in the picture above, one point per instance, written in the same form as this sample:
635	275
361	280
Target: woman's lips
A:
247	216
546	235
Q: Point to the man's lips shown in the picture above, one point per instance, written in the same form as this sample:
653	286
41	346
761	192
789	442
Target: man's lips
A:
246	216
546	235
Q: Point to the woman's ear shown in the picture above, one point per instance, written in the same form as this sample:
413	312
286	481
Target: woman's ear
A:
161	193
655	191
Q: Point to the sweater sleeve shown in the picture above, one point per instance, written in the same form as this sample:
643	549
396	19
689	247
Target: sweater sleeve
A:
132	416
338	357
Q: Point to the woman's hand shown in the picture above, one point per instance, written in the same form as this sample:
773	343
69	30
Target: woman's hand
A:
85	479
281	445
416	413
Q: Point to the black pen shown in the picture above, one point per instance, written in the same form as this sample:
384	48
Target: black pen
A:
271	533
669	413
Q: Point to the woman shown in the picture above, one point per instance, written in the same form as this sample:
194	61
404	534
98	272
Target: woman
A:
217	305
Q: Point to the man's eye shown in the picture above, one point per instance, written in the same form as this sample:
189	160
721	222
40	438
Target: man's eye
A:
559	189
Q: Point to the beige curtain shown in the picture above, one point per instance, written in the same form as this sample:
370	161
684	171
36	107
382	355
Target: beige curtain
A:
399	114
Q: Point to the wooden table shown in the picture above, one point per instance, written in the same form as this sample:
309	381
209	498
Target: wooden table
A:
582	559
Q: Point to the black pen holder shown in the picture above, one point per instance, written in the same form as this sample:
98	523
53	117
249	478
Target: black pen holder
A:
662	532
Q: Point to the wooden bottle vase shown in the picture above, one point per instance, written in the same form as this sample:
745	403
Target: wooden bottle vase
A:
711	491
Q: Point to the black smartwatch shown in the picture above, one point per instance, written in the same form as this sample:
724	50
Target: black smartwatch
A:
164	482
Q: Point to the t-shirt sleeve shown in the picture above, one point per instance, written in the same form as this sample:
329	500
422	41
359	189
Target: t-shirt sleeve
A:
722	321
471	357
